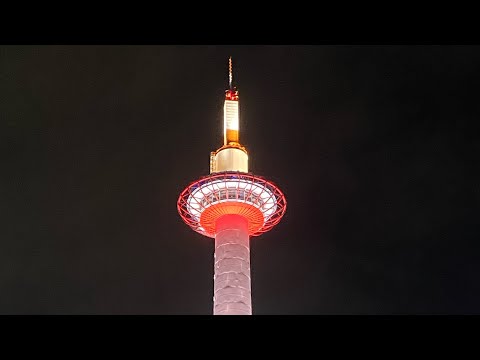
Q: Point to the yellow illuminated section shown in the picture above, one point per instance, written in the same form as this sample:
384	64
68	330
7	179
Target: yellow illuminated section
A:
231	122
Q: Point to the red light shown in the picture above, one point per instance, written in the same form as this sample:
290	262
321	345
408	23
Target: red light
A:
209	217
231	95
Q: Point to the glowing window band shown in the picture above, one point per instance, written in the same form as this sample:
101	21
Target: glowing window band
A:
218	191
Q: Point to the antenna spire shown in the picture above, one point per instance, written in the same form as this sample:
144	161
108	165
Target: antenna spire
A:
230	72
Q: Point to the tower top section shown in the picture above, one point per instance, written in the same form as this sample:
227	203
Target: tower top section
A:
231	93
231	189
231	156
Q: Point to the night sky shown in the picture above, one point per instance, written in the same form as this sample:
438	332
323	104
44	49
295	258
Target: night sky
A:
375	148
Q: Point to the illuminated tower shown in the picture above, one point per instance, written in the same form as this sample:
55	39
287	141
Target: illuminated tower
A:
231	205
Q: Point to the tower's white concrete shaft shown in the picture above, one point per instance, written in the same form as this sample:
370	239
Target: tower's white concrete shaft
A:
232	285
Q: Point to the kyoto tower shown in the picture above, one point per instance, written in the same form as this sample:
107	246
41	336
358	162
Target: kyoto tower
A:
231	205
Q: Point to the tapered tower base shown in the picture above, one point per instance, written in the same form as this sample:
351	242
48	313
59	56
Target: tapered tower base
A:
232	286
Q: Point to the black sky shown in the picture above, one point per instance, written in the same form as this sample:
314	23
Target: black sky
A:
375	148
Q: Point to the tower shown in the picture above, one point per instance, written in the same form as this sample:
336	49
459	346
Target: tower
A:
231	205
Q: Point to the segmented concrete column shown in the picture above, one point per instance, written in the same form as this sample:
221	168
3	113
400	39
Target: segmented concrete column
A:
232	289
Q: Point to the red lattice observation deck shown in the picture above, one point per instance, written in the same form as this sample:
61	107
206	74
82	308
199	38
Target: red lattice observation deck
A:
257	199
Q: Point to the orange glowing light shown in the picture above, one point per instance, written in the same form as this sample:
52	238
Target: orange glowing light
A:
254	216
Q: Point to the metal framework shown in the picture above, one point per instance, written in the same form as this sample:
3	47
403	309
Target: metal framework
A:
204	201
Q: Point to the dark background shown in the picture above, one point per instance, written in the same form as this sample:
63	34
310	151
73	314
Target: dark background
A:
375	148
